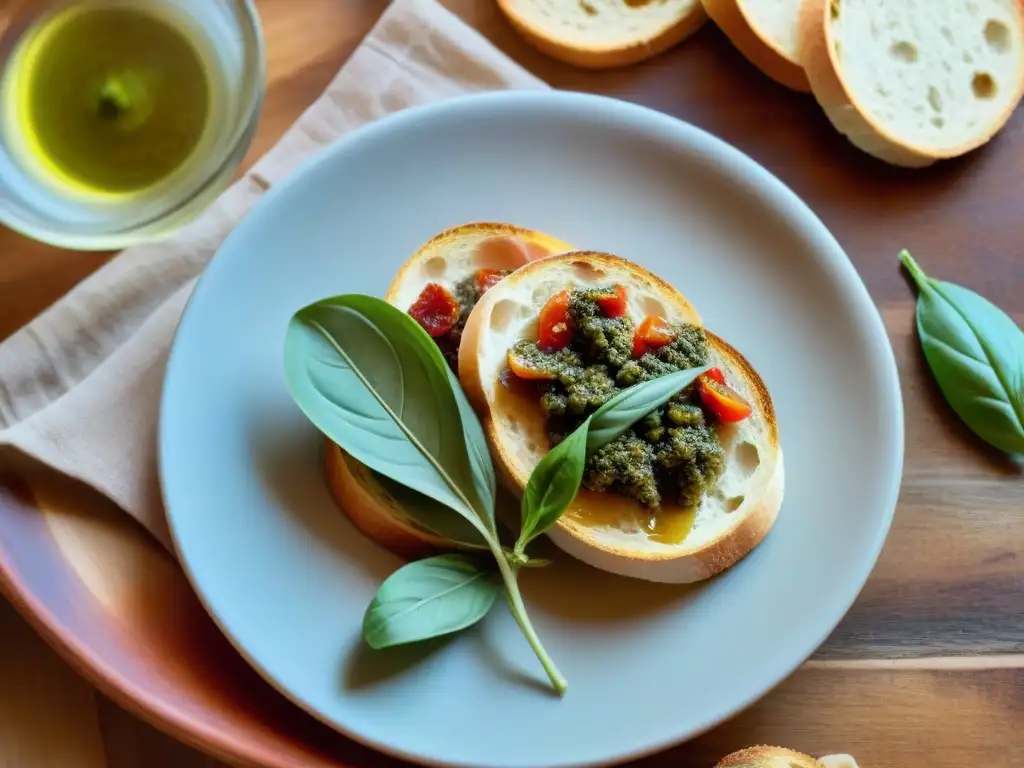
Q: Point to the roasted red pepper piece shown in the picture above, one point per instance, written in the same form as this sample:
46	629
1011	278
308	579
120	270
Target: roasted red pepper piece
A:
722	400
639	348
487	279
615	304
435	309
555	331
716	374
524	370
653	332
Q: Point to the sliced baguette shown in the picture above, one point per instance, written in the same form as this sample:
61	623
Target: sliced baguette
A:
765	31
601	34
912	83
777	757
376	509
604	529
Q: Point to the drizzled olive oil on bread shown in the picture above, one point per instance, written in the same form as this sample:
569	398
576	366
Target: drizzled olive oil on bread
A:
105	99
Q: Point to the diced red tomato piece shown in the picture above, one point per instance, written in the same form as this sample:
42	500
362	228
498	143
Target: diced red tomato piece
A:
653	332
722	400
615	304
555	330
716	374
487	279
639	348
524	370
435	309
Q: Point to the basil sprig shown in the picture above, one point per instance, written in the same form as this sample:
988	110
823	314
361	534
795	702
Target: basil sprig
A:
976	353
373	381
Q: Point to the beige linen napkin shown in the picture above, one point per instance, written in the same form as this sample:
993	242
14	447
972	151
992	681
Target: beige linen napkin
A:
80	385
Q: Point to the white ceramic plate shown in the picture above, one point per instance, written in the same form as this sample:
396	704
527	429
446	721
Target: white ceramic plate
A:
287	577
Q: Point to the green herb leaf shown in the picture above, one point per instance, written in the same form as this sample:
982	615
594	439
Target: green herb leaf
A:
556	479
372	380
429	514
429	598
552	486
476	443
624	410
976	353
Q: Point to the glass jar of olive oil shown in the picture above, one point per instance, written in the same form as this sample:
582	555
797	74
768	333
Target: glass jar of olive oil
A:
121	120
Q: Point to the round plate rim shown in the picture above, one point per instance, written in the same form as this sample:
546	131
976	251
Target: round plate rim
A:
837	260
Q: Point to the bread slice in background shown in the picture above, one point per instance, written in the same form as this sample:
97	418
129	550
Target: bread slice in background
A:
731	520
777	757
765	31
915	82
372	504
601	34
377	506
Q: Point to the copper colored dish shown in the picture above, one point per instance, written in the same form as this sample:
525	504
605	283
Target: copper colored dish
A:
117	608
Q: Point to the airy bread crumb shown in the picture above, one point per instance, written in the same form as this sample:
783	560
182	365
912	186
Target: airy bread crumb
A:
912	83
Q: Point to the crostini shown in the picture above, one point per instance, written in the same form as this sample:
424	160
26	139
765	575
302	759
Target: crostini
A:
777	757
687	492
439	286
601	34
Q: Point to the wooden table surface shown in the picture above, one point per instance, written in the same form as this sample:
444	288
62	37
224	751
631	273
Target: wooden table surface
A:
927	669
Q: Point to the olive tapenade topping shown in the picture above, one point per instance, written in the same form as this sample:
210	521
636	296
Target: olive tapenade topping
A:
673	454
443	313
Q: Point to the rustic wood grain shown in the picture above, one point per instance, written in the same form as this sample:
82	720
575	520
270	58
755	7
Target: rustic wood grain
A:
927	669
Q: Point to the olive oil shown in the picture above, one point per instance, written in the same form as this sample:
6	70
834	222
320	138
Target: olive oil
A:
108	98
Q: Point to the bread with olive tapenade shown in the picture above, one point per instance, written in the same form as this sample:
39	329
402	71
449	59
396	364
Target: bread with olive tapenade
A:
447	259
777	757
603	528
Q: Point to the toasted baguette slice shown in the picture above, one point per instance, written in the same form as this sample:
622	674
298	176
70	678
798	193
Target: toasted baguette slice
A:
371	503
777	757
601	34
765	31
912	83
375	510
454	254
605	529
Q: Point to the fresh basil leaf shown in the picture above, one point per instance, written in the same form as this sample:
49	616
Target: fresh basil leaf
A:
556	479
371	379
553	485
429	514
632	404
479	454
976	353
429	598
414	508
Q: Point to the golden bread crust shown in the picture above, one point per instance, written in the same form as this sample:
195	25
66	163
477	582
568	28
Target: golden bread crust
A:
759	50
676	564
591	57
817	53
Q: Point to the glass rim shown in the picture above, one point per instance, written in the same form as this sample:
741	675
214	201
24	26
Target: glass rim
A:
236	145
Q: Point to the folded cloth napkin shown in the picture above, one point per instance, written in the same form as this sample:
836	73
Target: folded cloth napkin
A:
80	385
